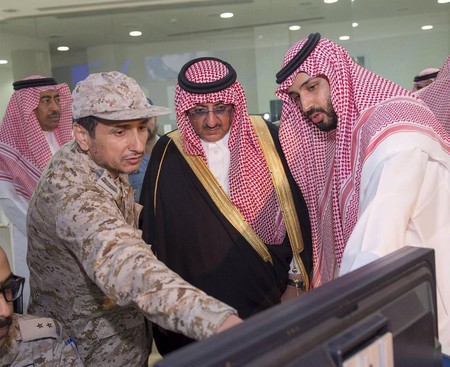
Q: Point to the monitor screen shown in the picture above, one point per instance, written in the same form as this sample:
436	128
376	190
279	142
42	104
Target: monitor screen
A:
382	314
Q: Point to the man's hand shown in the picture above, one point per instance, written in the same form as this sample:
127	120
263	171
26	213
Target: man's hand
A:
229	322
290	293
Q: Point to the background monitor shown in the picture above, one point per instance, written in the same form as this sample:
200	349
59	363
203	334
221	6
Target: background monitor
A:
275	109
383	314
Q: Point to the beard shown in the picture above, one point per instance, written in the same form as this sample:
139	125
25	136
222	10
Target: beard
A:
329	123
6	322
97	156
5	349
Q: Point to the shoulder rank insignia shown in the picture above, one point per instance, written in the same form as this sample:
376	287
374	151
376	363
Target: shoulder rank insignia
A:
39	328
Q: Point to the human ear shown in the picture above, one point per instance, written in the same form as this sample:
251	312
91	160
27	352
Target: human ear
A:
81	136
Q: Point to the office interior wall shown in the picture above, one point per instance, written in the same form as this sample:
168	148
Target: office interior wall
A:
255	52
390	44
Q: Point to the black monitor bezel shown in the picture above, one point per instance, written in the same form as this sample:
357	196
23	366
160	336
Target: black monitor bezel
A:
275	328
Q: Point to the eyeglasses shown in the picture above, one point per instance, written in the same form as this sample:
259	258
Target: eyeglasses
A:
200	113
12	288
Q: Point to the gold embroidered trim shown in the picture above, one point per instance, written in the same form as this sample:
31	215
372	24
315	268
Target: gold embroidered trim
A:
233	215
157	176
221	199
284	192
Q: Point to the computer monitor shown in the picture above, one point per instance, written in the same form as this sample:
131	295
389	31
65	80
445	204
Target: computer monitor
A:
383	314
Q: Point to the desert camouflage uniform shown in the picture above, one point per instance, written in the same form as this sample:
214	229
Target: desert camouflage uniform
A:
91	270
38	342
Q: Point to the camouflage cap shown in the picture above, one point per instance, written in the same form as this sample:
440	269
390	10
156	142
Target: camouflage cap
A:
112	96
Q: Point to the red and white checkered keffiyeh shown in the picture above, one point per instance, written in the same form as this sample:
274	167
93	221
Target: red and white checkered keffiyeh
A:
24	151
327	165
251	188
437	95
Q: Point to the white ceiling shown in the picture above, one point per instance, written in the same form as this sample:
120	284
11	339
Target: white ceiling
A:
85	23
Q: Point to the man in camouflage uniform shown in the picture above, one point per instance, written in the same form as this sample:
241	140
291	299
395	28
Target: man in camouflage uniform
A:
89	266
27	340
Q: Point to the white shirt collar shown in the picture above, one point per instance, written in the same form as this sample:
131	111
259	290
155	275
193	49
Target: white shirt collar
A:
218	158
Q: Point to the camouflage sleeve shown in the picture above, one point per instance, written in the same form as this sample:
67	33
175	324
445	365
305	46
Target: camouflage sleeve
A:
122	265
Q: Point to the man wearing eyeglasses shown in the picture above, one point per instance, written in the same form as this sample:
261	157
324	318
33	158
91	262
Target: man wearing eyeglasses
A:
213	196
27	340
37	122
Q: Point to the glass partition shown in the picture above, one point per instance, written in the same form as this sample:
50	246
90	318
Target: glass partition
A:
384	35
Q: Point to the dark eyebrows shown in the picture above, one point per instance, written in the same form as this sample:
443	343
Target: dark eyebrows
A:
121	124
44	96
146	120
306	82
204	105
126	124
10	276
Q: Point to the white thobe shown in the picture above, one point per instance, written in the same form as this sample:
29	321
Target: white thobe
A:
218	157
405	201
15	208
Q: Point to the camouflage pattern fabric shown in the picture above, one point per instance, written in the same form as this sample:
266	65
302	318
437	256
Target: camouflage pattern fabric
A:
91	269
38	342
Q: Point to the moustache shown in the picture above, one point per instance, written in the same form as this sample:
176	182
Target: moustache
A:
218	125
5	321
314	110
